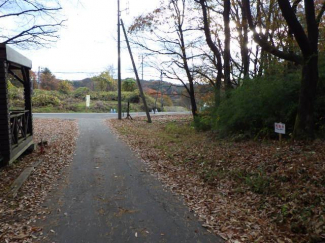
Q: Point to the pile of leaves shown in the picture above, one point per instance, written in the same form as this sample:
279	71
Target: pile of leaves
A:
252	191
18	215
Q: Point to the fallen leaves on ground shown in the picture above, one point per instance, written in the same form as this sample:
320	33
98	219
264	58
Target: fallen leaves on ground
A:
252	191
18	215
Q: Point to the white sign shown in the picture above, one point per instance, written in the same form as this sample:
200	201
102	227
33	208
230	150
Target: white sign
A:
280	128
87	100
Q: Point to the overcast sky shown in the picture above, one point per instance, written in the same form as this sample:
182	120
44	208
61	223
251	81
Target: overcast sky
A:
88	42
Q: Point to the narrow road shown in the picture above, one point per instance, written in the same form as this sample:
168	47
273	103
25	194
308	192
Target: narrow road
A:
107	197
100	115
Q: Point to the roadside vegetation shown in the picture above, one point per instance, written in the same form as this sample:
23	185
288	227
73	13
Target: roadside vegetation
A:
251	110
54	95
101	101
261	59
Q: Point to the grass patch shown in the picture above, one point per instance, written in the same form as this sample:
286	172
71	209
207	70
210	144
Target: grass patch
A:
259	183
175	127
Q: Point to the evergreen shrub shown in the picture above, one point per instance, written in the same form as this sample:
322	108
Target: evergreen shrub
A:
255	106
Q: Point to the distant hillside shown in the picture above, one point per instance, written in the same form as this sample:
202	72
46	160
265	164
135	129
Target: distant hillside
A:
165	87
87	82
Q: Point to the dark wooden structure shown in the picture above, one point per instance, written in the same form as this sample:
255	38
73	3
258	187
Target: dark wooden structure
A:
16	126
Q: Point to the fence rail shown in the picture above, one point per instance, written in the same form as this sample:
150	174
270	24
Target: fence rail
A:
19	127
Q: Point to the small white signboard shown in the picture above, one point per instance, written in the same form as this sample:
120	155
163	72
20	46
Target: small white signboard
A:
87	100
280	128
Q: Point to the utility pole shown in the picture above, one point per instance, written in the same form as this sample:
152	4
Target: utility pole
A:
119	82
38	77
161	91
136	75
142	66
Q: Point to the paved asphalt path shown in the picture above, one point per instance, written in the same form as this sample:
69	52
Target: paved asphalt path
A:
99	115
106	196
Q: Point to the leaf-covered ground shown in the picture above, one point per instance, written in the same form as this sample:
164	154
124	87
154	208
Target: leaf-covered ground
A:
18	215
248	191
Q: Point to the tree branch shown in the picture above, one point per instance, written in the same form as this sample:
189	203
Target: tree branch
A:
263	43
35	35
320	14
295	26
30	11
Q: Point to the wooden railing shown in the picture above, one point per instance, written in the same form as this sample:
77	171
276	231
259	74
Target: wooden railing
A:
19	126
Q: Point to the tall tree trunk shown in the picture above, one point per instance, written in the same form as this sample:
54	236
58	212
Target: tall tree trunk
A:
226	19
213	47
179	26
304	125
262	67
217	89
244	47
193	101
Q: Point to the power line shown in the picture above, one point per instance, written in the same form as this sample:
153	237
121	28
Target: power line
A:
74	72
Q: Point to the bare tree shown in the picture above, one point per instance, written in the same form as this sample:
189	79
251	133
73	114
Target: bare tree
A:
173	42
238	16
30	23
214	47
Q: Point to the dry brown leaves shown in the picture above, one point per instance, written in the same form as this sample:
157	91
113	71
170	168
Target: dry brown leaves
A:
244	192
18	215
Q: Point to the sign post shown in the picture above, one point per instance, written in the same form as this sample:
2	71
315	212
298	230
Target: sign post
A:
280	128
87	101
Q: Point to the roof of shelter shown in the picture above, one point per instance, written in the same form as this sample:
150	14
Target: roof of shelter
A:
13	56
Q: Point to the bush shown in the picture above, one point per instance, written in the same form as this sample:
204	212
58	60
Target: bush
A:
81	92
257	104
133	97
203	122
129	84
104	95
65	87
15	93
43	99
110	96
100	106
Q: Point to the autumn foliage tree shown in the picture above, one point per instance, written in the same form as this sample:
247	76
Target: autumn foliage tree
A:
104	82
48	80
65	87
